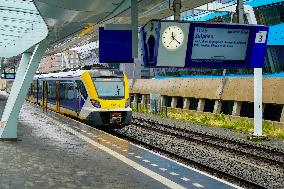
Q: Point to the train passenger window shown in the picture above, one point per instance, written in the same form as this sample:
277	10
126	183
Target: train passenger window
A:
67	90
51	90
35	87
81	87
70	92
39	87
68	95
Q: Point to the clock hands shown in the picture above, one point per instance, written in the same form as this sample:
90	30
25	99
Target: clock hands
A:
174	39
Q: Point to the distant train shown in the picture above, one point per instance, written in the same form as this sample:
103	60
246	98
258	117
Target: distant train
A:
99	97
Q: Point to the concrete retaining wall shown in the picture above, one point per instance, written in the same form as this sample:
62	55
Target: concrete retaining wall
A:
230	89
235	89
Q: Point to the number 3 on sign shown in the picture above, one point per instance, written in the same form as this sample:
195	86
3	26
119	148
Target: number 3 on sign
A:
261	37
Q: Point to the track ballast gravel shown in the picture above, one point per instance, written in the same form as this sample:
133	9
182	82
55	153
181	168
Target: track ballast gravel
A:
251	169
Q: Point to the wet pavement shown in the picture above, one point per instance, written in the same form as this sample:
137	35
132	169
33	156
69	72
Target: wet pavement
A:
49	157
56	152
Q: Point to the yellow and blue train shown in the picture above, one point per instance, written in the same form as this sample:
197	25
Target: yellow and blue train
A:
99	97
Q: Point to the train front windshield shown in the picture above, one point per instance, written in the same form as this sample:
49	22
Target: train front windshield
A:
109	88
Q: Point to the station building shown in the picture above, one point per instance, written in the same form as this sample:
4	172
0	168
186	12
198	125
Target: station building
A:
60	61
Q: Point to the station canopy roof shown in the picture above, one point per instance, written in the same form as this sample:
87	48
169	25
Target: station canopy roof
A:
68	23
21	27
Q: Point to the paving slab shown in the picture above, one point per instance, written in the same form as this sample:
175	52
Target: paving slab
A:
56	152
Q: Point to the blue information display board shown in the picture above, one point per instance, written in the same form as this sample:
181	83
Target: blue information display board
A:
115	46
199	44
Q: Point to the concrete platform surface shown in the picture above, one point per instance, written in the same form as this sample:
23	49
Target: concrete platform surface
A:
56	152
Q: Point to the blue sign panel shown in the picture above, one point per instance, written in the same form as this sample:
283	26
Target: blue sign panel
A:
224	45
210	45
115	46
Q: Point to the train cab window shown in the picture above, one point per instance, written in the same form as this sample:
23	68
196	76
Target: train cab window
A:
109	88
81	87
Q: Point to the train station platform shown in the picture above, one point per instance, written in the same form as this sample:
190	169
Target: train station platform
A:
56	152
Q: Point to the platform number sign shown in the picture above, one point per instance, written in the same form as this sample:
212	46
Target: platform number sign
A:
261	37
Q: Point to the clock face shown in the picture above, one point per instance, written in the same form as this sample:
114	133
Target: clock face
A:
172	37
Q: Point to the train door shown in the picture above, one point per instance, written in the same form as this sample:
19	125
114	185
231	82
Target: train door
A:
57	97
77	98
37	91
82	95
44	94
33	91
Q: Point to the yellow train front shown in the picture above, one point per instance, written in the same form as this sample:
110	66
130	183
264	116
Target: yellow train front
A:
100	97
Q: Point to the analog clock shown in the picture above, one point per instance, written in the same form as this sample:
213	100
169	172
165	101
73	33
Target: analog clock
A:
172	37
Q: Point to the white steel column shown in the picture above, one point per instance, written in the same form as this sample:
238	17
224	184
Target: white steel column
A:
240	11
257	102
258	111
26	71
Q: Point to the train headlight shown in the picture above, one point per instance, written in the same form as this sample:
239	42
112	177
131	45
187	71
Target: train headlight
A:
96	103
127	103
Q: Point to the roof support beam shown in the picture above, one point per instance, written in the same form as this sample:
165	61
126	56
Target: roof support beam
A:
240	11
28	65
177	8
134	23
133	27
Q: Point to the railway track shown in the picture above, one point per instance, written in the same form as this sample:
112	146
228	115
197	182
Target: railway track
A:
268	155
264	155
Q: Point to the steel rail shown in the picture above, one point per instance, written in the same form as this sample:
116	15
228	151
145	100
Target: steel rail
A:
273	156
220	174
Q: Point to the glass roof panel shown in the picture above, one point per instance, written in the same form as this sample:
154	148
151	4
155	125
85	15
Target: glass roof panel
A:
21	27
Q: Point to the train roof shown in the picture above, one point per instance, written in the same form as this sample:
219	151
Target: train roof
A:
78	73
105	73
69	74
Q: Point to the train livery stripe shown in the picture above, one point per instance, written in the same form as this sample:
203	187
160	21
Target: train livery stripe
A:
126	86
89	85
